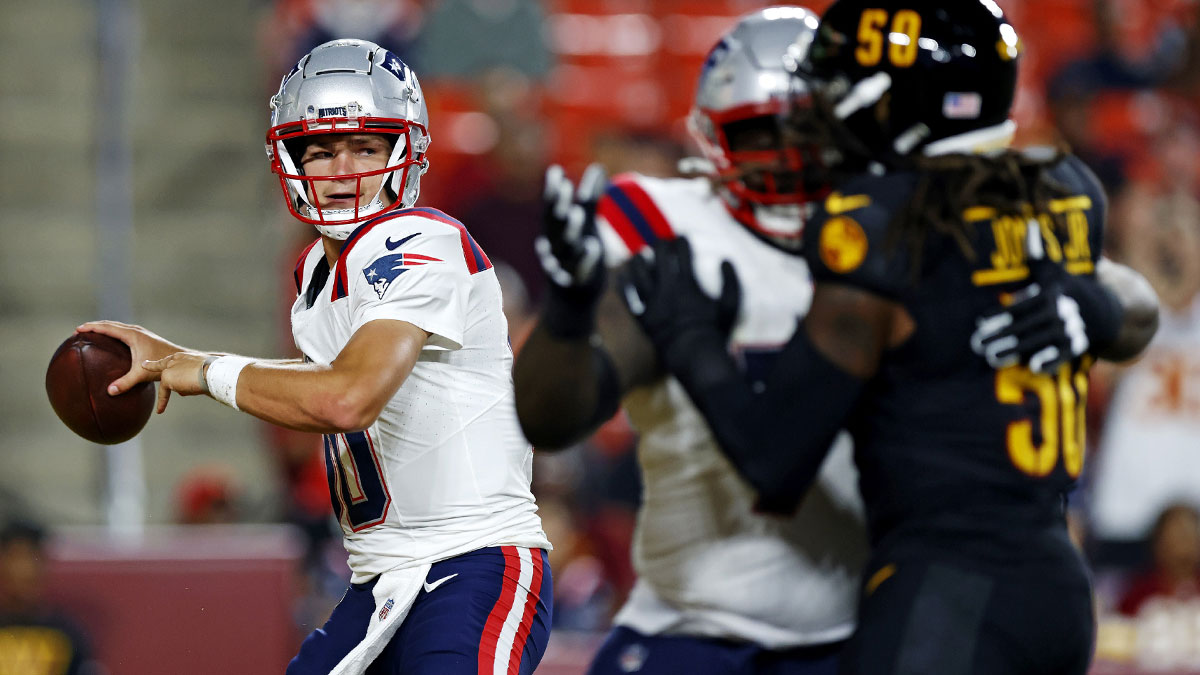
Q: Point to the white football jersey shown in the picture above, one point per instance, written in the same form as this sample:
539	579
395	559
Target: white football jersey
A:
1148	452
444	470
708	563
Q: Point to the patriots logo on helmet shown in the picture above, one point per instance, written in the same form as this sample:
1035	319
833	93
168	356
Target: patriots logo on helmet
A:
381	273
715	55
394	65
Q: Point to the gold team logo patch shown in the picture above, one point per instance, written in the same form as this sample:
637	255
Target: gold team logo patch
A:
843	244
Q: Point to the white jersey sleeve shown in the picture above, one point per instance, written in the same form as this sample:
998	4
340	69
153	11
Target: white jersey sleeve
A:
420	277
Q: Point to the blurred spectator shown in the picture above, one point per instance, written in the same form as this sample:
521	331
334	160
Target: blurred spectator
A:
1147	457
1161	628
1175	574
583	597
208	495
34	639
1103	104
294	27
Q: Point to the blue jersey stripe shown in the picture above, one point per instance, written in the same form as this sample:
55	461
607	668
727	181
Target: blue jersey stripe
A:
639	222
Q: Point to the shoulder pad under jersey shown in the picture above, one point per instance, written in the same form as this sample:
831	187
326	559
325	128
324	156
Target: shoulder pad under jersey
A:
847	240
630	211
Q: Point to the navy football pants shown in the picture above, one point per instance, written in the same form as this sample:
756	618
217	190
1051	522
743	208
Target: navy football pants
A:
481	621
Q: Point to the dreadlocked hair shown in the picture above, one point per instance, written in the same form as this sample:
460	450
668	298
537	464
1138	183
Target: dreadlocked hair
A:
1013	182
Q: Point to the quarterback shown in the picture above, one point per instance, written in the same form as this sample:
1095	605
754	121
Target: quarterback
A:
406	372
711	557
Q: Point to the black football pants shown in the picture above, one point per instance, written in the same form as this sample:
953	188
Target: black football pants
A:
939	617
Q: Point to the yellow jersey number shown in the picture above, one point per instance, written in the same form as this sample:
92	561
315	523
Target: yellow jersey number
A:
1062	397
901	39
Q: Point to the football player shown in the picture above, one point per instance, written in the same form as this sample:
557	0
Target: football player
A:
967	433
406	372
712	560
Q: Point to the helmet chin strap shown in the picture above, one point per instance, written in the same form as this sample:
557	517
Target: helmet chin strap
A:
341	222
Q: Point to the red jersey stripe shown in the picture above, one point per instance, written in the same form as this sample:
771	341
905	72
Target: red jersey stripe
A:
632	214
620	224
646	206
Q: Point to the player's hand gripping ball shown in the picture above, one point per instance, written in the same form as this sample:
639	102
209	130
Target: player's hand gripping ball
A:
77	382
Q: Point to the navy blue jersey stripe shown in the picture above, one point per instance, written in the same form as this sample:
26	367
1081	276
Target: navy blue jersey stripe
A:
639	222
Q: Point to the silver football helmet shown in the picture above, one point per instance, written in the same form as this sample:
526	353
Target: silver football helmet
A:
346	87
742	97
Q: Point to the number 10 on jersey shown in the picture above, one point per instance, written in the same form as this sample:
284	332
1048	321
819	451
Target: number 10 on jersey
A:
356	486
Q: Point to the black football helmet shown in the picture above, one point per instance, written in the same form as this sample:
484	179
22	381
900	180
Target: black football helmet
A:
900	78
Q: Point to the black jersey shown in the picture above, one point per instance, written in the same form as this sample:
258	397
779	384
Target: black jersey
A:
946	443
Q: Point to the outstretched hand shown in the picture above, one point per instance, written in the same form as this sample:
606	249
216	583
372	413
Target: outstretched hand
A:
664	296
143	344
569	248
570	251
1042	326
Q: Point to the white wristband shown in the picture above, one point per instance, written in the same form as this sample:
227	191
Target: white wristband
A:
222	378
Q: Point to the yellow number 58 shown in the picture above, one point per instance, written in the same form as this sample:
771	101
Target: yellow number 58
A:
901	39
1062	397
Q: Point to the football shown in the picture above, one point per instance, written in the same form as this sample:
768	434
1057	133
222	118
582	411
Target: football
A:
77	381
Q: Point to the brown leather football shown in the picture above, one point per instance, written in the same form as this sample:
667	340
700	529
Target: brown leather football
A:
77	382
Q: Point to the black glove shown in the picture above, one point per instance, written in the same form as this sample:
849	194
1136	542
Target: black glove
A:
662	293
571	253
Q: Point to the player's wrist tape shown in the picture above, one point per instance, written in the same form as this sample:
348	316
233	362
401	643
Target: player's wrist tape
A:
1099	308
222	378
568	318
204	374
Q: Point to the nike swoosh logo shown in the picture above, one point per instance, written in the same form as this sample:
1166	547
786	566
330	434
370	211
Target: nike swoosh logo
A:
393	245
429	587
837	204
